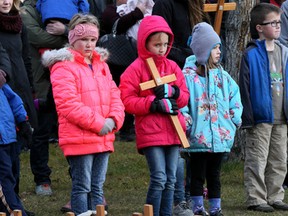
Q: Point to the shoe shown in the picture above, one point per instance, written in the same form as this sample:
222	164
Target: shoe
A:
261	208
279	205
202	213
29	213
66	208
182	209
218	213
43	189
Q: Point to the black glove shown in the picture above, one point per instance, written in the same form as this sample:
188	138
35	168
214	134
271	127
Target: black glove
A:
26	131
164	105
167	91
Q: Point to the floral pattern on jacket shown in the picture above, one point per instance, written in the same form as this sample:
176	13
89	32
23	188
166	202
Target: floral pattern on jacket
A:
215	107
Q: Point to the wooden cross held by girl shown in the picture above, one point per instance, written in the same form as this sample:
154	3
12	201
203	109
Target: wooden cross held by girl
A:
157	80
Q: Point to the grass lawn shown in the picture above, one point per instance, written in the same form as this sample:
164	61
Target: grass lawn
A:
125	186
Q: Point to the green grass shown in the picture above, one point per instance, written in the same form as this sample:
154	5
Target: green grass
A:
125	186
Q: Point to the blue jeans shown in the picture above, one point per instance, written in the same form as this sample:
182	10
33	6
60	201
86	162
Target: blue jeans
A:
179	194
162	163
88	174
7	179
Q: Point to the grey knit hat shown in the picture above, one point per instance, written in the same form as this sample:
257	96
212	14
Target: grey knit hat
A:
204	39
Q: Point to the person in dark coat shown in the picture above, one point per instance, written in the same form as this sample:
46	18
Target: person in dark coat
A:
54	38
13	38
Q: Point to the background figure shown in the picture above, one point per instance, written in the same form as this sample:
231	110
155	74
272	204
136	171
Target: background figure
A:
157	140
63	11
13	37
214	103
53	38
110	15
130	6
86	144
262	79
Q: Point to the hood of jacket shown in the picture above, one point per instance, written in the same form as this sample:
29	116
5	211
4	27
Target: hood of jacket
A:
51	57
146	28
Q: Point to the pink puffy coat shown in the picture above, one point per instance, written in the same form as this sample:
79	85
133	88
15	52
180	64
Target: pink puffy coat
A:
152	129
84	98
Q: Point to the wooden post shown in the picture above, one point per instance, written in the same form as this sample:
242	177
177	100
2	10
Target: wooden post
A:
17	213
148	210
157	80
100	209
2	214
70	214
219	8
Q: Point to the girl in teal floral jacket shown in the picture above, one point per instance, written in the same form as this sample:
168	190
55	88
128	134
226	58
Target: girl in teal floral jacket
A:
216	109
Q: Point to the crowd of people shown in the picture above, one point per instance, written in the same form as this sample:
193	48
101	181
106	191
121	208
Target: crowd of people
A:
53	75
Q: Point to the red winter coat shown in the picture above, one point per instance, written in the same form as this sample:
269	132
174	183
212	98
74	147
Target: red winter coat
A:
152	129
83	98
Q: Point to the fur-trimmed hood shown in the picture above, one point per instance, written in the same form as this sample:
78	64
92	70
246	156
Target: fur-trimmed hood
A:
51	57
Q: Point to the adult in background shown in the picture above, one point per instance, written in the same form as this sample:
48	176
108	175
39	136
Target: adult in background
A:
54	37
126	21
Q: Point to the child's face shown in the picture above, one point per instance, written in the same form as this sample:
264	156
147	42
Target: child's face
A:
216	54
85	46
270	28
5	6
158	43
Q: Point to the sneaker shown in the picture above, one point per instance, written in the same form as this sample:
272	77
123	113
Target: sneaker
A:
261	208
217	213
29	213
279	205
201	213
43	189
182	209
66	208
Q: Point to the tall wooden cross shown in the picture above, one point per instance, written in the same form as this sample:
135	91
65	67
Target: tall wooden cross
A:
219	8
157	80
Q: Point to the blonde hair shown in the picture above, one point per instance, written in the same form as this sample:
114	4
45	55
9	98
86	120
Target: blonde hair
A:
83	19
16	5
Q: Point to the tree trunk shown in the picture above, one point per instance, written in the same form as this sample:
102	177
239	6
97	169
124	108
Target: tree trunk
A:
236	38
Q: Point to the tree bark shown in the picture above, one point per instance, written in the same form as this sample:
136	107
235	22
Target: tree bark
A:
236	29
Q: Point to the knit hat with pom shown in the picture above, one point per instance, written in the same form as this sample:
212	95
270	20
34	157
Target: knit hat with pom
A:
204	39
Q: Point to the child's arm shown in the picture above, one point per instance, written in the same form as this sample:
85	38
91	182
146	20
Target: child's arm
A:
244	84
15	103
235	105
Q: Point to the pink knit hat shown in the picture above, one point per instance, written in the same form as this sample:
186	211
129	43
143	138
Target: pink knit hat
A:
82	30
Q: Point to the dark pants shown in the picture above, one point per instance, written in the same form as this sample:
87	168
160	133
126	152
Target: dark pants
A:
205	166
39	153
7	179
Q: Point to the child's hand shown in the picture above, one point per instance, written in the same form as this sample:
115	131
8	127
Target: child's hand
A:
108	127
26	131
167	91
164	105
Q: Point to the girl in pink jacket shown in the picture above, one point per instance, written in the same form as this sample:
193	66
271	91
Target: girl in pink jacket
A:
89	109
156	137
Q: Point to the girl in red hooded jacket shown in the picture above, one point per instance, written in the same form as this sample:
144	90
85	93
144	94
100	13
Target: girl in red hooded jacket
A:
156	137
89	110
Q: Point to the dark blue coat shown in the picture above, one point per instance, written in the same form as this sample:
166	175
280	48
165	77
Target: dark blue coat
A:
255	84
